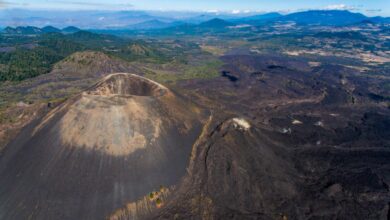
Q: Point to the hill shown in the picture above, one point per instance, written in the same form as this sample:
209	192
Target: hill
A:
127	136
257	19
70	30
324	17
31	30
68	77
215	23
42	51
27	62
50	29
27	30
89	64
152	24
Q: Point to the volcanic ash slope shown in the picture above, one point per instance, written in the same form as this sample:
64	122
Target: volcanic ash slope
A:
113	144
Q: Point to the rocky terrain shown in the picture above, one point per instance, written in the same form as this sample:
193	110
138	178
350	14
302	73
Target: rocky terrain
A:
131	148
248	118
125	122
321	145
69	77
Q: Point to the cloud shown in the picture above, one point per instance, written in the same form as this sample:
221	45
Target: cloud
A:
212	11
336	7
93	4
373	10
340	7
236	11
4	4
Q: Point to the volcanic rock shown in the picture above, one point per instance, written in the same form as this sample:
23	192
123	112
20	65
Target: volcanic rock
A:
110	145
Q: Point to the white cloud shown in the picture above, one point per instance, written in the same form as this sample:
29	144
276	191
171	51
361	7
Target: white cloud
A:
339	7
212	11
236	11
4	4
82	3
373	10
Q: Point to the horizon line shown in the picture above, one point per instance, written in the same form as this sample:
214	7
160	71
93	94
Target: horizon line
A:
216	12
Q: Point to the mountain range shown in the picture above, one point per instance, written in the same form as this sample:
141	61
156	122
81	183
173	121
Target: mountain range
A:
317	17
35	30
138	20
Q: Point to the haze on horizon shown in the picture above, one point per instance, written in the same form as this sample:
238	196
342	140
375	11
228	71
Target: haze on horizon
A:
370	8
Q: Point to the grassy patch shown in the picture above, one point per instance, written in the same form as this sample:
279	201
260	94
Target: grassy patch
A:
213	50
204	71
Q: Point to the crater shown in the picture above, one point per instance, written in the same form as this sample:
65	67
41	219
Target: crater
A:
125	84
106	119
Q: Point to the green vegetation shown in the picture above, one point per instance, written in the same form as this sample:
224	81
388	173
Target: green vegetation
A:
213	50
204	71
27	57
158	201
140	50
25	63
208	70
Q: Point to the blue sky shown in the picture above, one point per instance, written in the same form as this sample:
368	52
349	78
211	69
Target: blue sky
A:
369	7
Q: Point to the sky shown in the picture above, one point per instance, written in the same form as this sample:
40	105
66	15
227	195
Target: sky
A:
368	7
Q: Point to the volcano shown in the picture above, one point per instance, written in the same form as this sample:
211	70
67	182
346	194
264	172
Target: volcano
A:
116	142
131	148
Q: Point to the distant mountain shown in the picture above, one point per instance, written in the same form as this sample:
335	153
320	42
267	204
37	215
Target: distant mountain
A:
94	40
324	17
50	29
209	16
30	30
152	24
120	19
380	20
314	17
182	29
212	25
267	16
133	21
70	30
22	30
9	30
215	23
91	39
